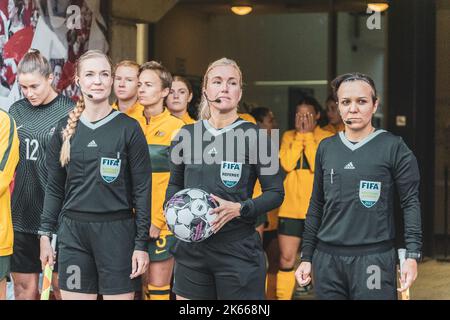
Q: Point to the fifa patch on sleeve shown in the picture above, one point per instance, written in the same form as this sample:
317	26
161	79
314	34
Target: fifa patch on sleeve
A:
230	173
369	192
109	169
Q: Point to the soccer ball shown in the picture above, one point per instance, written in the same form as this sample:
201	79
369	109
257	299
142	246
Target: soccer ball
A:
188	214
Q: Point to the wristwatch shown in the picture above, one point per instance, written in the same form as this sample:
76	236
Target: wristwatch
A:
45	233
413	255
245	209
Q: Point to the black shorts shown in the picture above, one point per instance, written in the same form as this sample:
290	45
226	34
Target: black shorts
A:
95	257
354	277
220	269
291	227
26	254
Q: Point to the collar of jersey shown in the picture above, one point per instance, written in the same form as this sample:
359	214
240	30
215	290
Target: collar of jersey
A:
102	122
215	132
186	118
159	117
130	110
364	141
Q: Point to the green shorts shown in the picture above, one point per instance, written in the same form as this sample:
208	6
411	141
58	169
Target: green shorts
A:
261	219
291	227
159	249
5	266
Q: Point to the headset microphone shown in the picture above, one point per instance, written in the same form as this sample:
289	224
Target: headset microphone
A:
90	96
216	100
348	122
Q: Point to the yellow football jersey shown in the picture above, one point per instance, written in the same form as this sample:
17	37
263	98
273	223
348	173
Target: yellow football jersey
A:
159	132
136	111
297	157
9	157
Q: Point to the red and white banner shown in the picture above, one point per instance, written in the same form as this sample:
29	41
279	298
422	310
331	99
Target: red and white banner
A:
61	30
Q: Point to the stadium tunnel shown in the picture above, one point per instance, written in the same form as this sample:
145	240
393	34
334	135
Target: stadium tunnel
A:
288	48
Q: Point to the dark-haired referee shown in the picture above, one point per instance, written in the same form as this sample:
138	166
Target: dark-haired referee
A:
348	240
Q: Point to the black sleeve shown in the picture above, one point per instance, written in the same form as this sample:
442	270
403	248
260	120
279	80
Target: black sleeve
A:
407	179
315	211
176	180
141	180
55	189
269	173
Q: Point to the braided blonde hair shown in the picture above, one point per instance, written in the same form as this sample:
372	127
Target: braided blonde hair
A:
75	114
205	113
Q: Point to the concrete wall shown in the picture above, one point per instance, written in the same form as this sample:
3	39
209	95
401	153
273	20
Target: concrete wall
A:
183	34
141	10
123	40
363	50
123	18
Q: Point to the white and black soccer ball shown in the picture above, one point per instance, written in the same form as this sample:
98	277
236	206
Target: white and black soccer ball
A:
188	214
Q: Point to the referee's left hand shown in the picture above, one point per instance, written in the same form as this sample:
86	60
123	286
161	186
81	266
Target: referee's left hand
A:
408	275
226	211
139	263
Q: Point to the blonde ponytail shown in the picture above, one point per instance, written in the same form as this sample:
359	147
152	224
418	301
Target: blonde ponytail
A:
205	113
69	131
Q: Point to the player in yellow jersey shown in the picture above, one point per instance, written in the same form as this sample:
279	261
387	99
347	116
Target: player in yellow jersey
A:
297	157
335	123
126	90
154	86
247	117
179	98
9	157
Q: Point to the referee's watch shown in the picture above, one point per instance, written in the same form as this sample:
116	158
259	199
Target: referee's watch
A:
245	209
45	233
413	255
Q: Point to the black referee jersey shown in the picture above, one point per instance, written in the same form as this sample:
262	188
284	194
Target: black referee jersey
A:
353	193
35	127
226	162
109	172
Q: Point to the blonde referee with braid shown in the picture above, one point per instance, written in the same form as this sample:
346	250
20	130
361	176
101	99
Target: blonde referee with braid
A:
99	169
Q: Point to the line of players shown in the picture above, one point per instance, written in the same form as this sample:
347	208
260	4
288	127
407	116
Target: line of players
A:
160	110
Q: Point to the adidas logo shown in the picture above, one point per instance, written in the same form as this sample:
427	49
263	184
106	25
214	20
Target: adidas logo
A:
349	166
212	152
92	144
159	133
